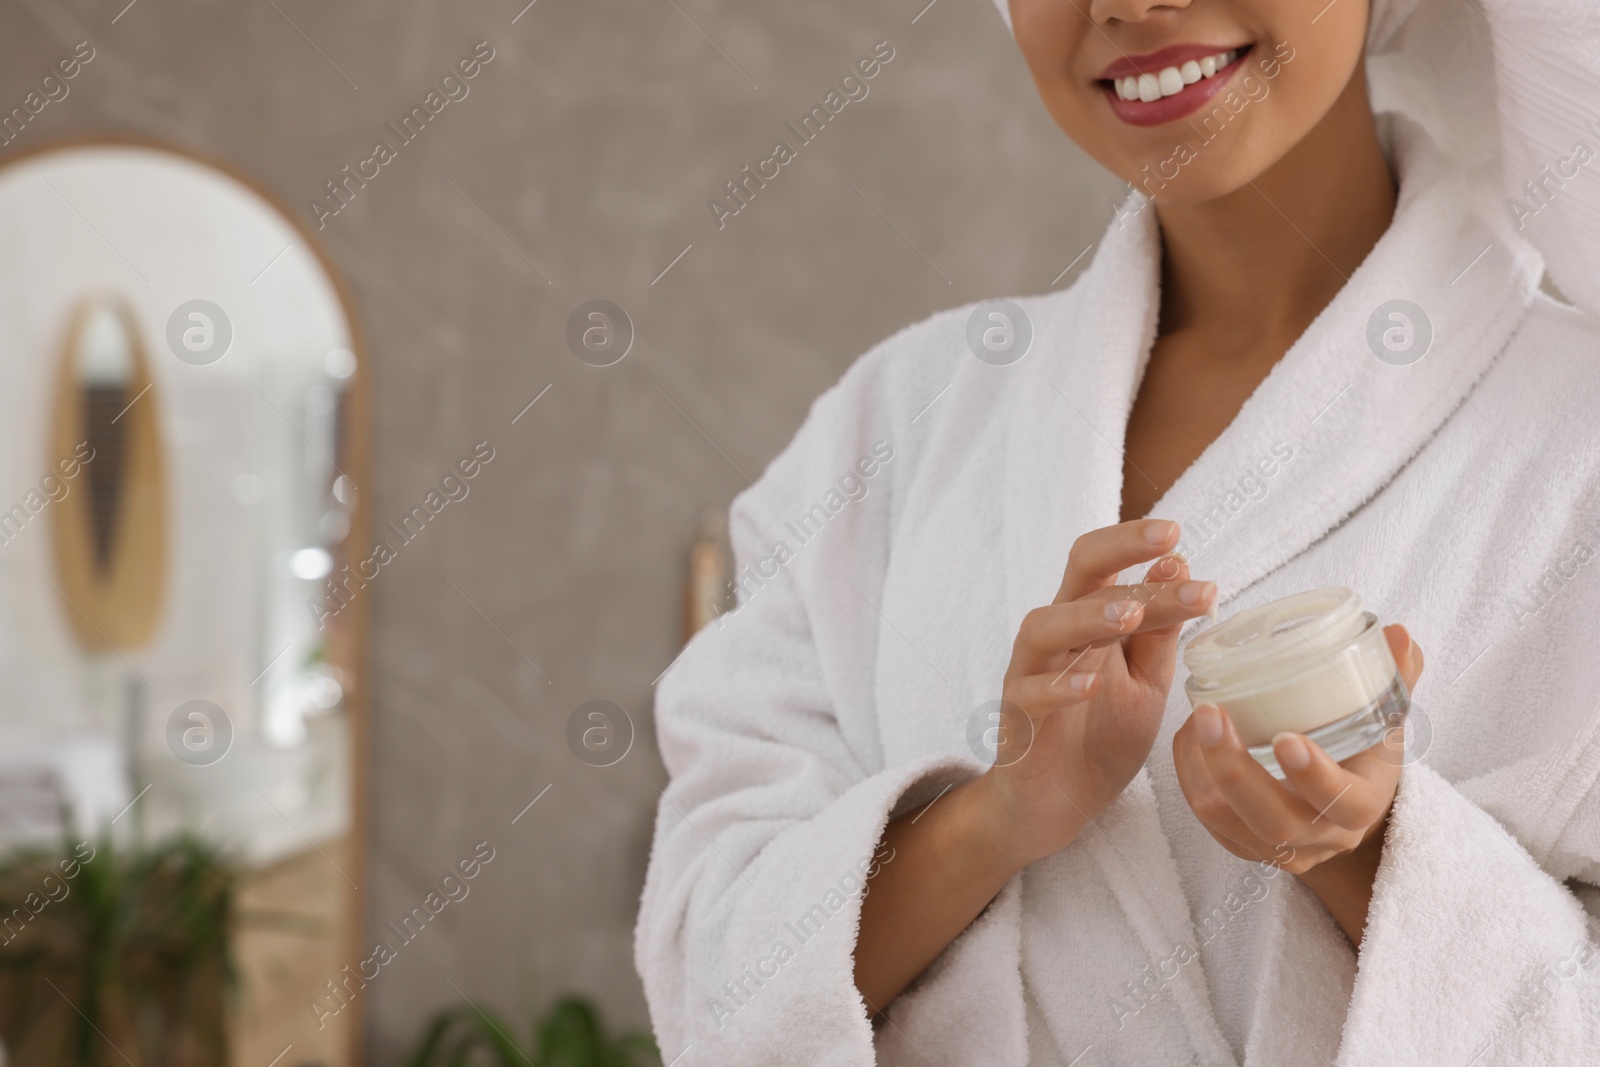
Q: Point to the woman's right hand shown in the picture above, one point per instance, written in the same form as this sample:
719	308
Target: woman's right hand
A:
1086	690
1082	702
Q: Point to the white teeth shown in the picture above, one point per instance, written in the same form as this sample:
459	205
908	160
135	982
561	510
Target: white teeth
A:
1171	80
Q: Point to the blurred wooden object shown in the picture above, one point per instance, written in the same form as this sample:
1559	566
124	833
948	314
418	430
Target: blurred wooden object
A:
708	588
282	967
110	529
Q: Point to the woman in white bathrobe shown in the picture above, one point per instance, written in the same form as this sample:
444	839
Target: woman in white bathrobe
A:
1312	349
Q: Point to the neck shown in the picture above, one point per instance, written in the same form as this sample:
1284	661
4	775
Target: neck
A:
1260	263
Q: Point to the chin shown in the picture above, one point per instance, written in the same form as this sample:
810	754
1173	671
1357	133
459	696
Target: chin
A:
1183	169
1198	182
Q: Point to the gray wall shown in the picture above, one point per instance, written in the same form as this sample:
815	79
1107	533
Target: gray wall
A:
592	141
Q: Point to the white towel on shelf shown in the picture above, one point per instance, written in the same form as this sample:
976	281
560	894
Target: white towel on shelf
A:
1459	494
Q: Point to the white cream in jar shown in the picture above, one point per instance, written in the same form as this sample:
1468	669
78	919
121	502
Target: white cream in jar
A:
1313	664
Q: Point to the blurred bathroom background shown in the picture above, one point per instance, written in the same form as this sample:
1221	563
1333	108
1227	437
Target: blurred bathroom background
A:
344	530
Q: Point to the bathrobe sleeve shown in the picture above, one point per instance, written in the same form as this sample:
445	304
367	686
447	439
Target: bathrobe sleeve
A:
1477	951
778	794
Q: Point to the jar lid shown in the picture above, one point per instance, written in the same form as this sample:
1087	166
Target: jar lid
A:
1306	625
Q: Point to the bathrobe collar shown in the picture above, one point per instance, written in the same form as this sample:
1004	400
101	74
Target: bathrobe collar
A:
1348	419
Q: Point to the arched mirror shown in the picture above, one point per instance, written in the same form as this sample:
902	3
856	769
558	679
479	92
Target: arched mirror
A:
182	386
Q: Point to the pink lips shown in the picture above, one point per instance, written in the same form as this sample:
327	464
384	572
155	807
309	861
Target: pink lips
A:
1168	108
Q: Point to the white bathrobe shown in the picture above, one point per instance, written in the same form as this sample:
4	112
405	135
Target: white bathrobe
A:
1457	494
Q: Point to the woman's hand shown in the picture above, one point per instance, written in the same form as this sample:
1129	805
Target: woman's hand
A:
1082	701
1325	823
1086	689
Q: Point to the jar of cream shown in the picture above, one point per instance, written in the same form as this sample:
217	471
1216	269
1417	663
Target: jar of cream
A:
1313	664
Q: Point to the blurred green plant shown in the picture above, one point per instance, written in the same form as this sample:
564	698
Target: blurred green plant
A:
127	960
570	1034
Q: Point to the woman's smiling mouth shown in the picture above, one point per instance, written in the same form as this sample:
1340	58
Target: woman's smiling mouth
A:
1166	85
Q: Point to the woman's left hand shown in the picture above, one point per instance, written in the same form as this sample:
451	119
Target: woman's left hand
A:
1325	823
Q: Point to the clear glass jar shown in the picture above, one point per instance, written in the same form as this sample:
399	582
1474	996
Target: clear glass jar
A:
1313	664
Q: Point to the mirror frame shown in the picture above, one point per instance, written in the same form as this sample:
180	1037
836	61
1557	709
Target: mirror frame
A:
360	451
118	606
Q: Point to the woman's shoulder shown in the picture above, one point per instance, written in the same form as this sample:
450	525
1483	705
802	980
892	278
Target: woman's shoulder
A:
934	350
893	400
897	384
